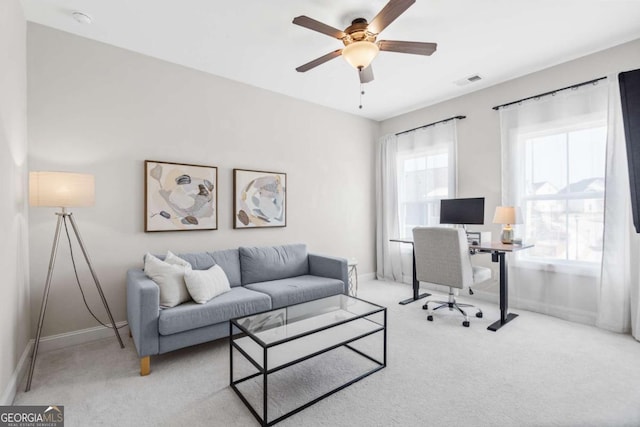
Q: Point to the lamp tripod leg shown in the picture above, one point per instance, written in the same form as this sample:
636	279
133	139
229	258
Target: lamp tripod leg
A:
45	297
95	278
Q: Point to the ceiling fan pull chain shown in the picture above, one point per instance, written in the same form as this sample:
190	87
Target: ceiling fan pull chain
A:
361	93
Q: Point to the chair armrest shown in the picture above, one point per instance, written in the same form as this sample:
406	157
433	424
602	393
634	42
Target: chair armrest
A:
332	267
143	311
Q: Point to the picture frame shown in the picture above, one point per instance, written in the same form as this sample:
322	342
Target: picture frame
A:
180	196
259	199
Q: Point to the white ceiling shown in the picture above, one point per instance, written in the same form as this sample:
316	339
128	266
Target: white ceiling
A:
254	42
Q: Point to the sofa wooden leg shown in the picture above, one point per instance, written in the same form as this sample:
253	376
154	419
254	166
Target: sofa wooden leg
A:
130	336
145	365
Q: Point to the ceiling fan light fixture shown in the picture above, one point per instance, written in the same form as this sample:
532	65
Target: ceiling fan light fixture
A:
360	54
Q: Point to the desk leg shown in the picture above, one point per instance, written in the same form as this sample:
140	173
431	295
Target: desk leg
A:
505	317
416	286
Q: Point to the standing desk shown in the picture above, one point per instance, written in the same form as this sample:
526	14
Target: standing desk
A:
498	251
416	284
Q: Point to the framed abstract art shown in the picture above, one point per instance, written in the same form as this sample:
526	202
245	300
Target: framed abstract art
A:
180	197
259	199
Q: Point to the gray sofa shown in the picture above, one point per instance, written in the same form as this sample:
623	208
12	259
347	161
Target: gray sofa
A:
261	278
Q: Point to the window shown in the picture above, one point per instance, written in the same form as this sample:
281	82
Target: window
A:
415	169
563	193
554	154
423	179
426	173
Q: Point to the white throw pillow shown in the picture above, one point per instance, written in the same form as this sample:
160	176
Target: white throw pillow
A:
171	258
169	278
206	284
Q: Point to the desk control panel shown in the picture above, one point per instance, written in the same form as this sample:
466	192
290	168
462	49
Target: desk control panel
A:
478	237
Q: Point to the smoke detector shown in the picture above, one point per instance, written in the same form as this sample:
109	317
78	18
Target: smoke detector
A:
81	17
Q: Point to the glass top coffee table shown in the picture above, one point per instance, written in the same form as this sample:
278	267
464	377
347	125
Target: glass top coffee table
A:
281	338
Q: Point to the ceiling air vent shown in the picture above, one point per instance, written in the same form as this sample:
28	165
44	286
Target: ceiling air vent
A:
471	79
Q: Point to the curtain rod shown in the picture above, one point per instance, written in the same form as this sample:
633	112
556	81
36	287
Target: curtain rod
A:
549	93
431	124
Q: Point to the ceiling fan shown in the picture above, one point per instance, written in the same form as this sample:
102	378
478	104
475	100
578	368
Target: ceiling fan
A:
360	45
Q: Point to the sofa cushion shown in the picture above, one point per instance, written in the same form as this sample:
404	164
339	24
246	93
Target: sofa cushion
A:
170	279
206	284
299	289
171	258
228	260
235	303
273	263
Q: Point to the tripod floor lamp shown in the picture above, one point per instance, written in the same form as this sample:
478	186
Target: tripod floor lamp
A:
63	190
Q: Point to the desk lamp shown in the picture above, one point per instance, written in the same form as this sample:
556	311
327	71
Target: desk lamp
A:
63	190
506	215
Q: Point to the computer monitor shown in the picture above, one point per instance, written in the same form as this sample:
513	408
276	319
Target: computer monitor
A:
462	211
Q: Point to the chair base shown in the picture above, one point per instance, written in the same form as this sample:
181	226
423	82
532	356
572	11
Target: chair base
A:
451	304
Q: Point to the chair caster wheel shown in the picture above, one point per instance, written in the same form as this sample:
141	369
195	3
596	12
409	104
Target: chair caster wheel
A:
430	318
425	307
465	323
479	315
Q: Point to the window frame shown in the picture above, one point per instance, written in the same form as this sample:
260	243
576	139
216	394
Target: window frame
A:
425	152
565	127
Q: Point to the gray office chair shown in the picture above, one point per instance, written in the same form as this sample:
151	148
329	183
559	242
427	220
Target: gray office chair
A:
442	257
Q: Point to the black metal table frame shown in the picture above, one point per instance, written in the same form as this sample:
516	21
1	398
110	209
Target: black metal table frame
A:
416	285
505	316
498	253
265	372
415	282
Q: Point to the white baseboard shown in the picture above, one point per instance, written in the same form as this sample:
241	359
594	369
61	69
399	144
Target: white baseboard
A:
490	292
68	339
566	313
54	342
12	387
366	276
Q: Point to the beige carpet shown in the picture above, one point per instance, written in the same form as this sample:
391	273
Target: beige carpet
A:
537	371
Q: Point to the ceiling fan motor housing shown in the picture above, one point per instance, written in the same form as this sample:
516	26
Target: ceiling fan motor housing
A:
357	32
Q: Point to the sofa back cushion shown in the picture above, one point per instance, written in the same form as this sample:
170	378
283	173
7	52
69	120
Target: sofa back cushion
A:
228	260
273	262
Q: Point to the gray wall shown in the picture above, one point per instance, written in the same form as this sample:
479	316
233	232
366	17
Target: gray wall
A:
479	134
14	283
100	109
104	110
479	169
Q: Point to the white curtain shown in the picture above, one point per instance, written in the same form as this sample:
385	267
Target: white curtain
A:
619	295
565	289
413	172
439	142
388	261
569	291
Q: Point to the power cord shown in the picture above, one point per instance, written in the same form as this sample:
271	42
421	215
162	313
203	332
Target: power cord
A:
75	271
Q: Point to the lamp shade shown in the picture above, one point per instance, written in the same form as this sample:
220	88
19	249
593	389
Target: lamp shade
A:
61	189
506	215
360	54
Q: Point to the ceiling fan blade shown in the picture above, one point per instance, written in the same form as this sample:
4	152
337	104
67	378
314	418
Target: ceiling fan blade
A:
366	74
415	48
312	24
318	61
388	14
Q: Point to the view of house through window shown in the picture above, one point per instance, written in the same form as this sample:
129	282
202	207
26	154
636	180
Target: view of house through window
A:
423	179
562	192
